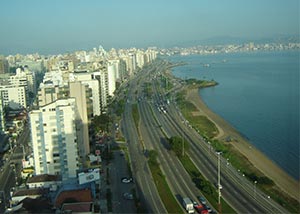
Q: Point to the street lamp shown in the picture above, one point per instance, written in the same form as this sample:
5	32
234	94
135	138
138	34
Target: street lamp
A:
219	182
227	163
23	150
182	147
255	182
3	199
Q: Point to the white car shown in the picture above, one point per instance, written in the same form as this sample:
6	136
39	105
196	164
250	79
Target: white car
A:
126	180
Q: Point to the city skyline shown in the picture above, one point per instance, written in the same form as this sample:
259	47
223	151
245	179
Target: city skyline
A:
64	26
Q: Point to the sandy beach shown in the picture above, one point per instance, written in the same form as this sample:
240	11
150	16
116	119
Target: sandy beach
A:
257	158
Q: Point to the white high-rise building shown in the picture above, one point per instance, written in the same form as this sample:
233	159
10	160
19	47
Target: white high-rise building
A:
140	58
24	77
112	70
102	77
54	139
14	96
80	93
88	79
2	121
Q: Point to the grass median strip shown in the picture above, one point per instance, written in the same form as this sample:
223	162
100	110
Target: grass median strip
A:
162	186
204	185
201	183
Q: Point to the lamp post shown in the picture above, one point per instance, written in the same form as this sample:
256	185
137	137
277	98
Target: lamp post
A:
3	199
219	183
182	146
227	163
255	182
23	150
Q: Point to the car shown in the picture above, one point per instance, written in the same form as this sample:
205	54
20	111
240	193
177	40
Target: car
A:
208	208
128	196
195	203
126	180
202	200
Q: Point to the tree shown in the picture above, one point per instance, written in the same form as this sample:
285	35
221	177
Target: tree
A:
101	123
178	145
152	157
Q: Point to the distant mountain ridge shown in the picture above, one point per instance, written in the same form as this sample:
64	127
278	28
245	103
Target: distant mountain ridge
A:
223	40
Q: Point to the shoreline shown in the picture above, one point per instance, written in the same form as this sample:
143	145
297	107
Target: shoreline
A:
283	180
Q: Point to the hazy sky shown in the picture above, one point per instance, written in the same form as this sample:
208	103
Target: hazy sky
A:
55	26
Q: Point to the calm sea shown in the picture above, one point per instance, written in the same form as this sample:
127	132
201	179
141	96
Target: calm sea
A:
258	94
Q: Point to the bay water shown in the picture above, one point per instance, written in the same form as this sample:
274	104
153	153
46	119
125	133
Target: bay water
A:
258	94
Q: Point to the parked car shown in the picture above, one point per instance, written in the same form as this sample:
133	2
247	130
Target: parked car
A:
208	208
126	180
128	196
202	199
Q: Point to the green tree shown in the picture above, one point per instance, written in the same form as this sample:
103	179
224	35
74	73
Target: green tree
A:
153	157
101	123
178	145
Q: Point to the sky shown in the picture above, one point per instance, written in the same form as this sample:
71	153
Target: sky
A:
59	26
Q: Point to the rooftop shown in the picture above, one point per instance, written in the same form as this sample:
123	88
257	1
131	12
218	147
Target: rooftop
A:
43	178
24	192
74	196
77	207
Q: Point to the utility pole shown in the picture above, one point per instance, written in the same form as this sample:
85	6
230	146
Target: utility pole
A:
255	182
182	146
219	184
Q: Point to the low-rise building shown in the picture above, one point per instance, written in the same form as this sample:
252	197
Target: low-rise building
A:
44	181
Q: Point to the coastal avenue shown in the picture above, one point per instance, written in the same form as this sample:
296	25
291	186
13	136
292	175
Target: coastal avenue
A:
144	183
153	127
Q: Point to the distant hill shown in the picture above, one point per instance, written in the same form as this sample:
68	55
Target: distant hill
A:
222	40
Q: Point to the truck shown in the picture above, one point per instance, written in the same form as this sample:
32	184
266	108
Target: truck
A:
188	205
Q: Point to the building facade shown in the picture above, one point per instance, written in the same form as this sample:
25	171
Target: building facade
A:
13	96
54	139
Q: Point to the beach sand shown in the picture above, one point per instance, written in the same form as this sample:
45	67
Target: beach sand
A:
284	181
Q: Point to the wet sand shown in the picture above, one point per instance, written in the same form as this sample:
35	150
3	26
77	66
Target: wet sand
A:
256	157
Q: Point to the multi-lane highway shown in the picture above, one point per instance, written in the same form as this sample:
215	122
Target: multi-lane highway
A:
146	189
155	126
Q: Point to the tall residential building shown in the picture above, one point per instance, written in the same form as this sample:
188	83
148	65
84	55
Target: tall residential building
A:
54	140
122	71
112	70
4	67
140	58
48	93
89	79
24	78
102	77
13	96
52	88
2	121
81	94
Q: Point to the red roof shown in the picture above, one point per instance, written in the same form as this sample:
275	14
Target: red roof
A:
74	196
78	207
